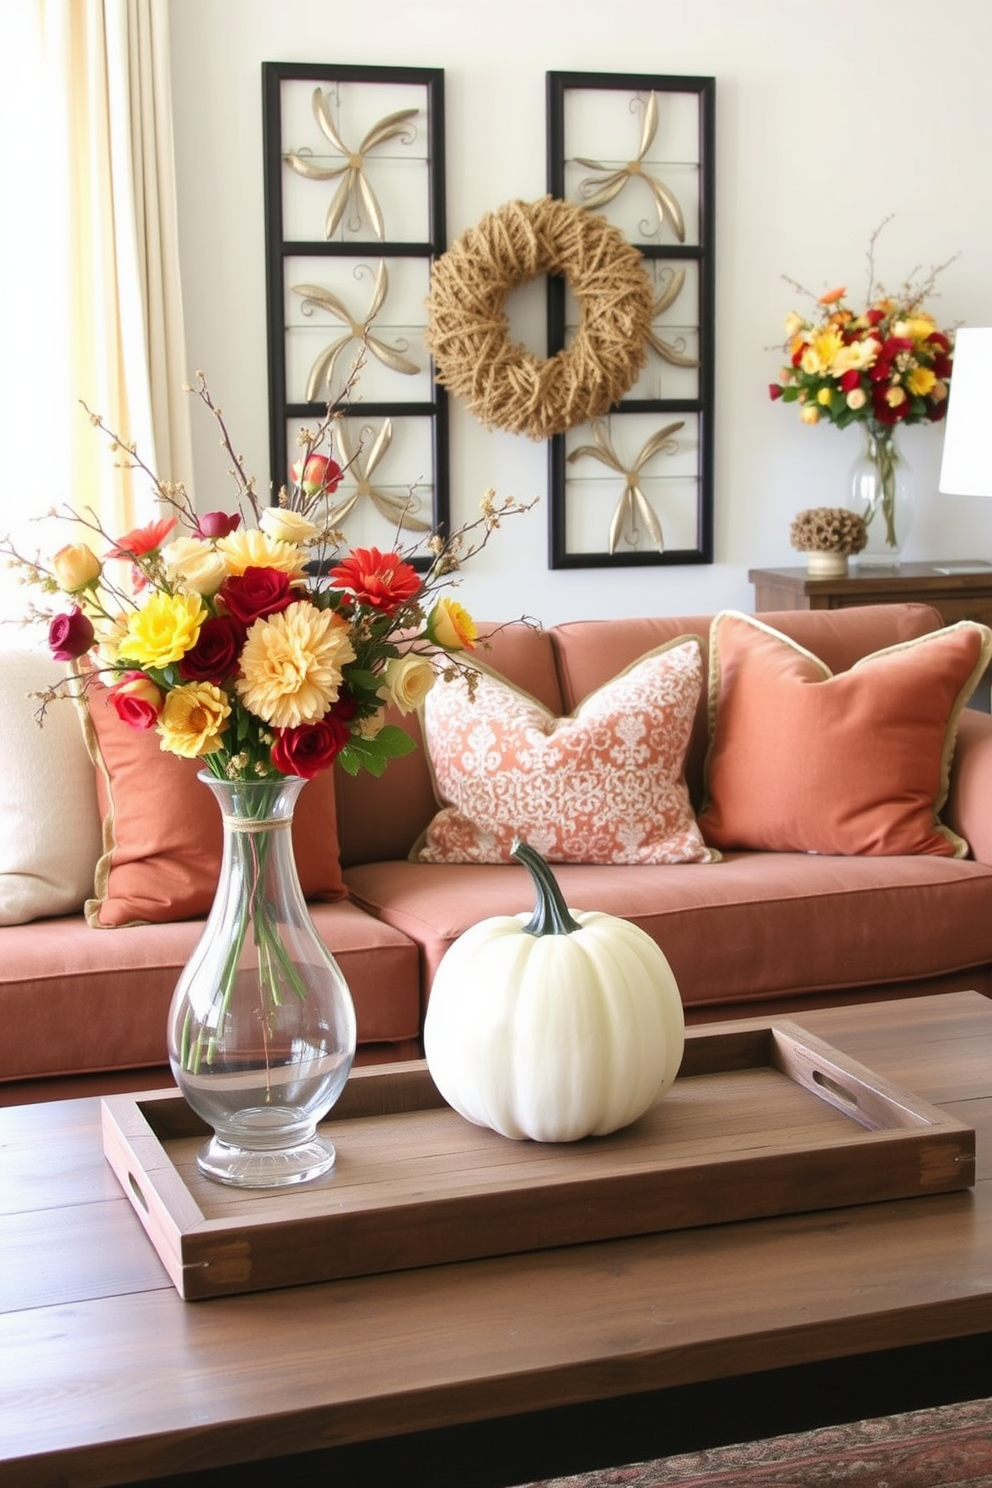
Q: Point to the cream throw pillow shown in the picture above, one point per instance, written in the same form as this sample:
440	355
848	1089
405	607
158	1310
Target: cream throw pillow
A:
50	834
605	785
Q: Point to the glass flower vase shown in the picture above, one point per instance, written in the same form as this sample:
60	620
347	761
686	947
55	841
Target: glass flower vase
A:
881	491
262	1026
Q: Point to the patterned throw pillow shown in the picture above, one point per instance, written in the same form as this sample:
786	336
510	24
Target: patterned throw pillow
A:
605	785
857	762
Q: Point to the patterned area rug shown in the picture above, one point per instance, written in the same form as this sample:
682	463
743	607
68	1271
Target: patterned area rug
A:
949	1447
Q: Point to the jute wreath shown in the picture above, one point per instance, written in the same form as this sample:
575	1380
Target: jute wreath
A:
468	332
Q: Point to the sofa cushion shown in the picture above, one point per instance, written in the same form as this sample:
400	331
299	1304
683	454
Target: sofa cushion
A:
51	827
590	652
162	835
604	785
805	760
761	931
75	1002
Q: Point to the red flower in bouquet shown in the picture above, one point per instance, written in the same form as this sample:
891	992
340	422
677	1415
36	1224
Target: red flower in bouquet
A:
885	364
382	580
242	642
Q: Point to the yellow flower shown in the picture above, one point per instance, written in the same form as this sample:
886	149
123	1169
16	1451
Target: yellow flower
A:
193	720
163	630
451	626
255	549
76	567
856	398
855	356
917	327
809	413
823	396
821	351
793	324
894	396
291	665
920	381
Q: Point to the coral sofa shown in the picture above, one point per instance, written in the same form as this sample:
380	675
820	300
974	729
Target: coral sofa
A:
746	930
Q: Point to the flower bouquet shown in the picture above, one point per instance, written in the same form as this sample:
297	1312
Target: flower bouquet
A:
881	366
247	640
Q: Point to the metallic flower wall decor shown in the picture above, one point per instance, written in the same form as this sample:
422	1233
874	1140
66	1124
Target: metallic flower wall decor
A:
315	297
633	505
670	351
596	191
355	187
399	510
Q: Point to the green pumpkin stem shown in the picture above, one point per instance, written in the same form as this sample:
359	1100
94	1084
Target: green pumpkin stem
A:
551	916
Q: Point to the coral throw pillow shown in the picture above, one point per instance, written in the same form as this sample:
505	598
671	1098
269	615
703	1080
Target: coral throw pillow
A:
802	760
604	785
162	834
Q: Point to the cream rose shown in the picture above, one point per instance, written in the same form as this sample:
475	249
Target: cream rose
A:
407	680
75	567
287	526
194	565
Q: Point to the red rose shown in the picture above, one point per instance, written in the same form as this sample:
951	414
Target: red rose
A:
874	316
344	706
310	747
941	367
316	475
850	379
775	390
70	636
381	580
256	593
937	338
881	371
215	655
892	345
136	700
216	524
883	413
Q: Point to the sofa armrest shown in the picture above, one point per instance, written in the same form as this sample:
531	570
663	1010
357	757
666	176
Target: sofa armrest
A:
969	801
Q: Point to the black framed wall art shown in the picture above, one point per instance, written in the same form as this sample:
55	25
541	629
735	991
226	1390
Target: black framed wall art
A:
354	218
635	487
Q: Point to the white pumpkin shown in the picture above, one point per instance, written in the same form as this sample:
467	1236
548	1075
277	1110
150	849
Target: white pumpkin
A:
556	1027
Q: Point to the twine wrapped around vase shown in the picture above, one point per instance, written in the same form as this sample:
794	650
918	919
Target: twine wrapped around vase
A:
505	385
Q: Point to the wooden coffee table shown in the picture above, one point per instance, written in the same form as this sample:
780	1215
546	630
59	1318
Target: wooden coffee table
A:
510	1368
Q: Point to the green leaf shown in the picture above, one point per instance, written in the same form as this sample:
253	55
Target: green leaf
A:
374	754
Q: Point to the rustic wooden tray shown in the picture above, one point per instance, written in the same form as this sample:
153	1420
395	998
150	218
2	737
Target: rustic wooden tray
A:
762	1120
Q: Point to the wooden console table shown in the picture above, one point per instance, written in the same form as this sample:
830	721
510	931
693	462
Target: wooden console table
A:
958	595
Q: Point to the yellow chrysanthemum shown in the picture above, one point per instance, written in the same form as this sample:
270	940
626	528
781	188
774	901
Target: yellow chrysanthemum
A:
253	548
163	630
855	356
193	720
920	381
820	352
291	665
917	327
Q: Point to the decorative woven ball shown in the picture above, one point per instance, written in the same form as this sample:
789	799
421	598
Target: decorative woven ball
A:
468	331
828	529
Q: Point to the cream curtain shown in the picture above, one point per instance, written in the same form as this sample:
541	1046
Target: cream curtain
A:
126	304
91	300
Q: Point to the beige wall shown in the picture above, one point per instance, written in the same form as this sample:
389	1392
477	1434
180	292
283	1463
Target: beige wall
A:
829	118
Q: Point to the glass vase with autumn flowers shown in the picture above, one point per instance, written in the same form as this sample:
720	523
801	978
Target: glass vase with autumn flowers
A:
883	366
248	640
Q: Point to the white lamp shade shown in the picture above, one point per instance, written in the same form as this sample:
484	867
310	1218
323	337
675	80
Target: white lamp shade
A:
966	467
